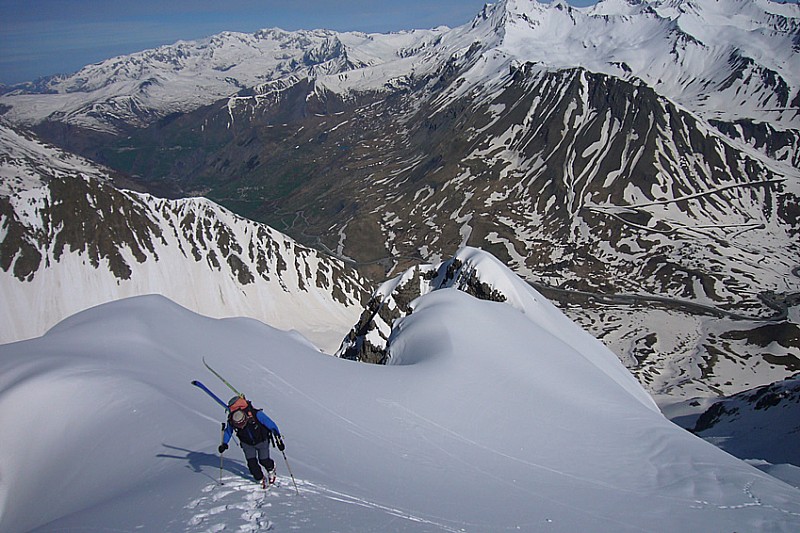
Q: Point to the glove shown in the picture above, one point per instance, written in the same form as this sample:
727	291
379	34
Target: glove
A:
222	448
279	443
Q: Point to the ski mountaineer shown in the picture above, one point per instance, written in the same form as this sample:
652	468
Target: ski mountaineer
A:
255	431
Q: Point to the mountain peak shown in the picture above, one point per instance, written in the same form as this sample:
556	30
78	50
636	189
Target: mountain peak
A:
730	8
532	8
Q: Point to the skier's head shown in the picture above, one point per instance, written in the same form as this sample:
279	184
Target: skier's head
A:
237	407
239	418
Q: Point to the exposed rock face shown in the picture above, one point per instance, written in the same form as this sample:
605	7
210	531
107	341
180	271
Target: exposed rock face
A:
369	338
784	393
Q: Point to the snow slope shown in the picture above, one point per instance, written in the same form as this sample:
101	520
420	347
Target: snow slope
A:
491	417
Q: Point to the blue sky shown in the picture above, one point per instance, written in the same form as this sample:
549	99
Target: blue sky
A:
43	37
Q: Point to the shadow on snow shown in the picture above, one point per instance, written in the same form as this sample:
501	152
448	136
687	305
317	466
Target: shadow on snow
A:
201	462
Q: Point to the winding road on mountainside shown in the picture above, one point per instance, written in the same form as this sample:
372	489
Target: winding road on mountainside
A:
780	302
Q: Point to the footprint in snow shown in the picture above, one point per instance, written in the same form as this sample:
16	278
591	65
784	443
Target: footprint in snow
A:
238	505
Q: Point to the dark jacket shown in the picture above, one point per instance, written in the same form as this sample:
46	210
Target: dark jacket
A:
259	428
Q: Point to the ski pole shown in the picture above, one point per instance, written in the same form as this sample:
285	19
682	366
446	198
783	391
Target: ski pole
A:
290	472
222	441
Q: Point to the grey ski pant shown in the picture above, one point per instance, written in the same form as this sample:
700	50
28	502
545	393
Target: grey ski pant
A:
258	456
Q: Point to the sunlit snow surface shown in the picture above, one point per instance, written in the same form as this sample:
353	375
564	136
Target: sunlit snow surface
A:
493	417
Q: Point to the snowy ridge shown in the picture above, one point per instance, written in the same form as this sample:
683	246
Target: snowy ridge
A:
137	89
481	275
392	300
487	421
113	244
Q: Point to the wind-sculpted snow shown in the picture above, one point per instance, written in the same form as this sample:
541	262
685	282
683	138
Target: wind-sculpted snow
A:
369	338
492	419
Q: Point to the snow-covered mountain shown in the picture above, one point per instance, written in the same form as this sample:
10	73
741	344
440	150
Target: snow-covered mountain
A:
140	88
491	417
723	59
71	240
704	55
764	418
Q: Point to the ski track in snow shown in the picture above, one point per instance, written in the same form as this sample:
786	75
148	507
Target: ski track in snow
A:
240	504
312	488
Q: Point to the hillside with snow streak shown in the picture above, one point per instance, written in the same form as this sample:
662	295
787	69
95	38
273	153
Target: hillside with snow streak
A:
70	239
77	242
635	149
491	417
